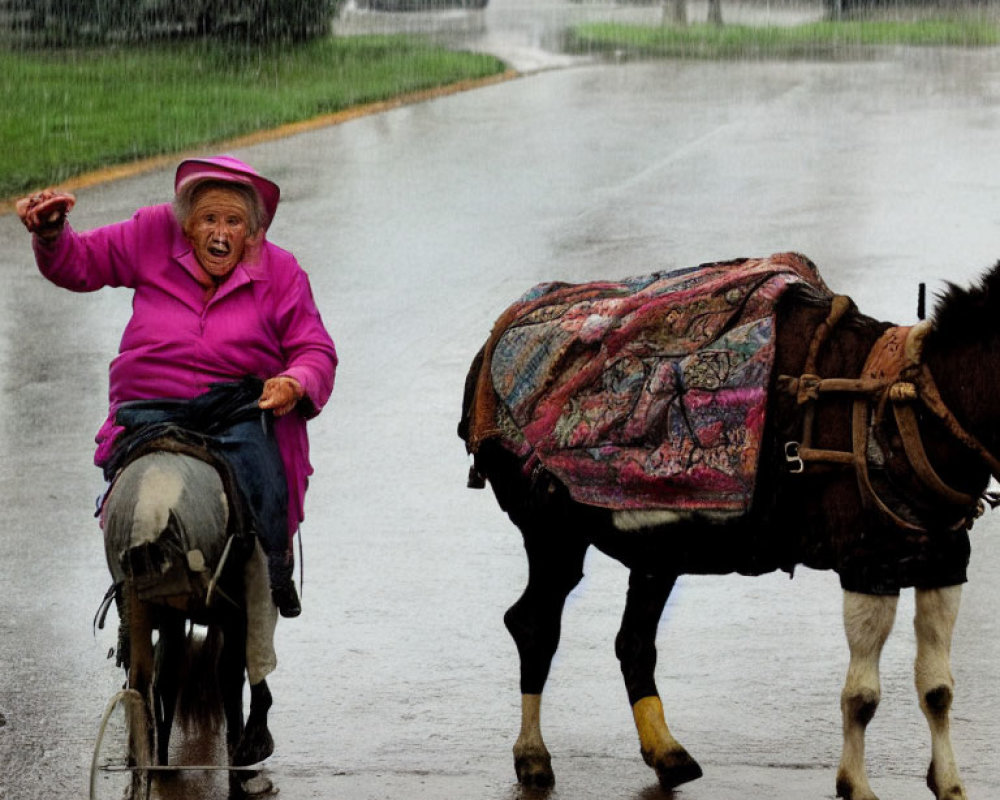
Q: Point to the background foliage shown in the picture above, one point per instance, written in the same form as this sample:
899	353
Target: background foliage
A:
63	22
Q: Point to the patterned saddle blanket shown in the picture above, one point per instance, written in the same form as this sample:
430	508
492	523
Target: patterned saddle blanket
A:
645	393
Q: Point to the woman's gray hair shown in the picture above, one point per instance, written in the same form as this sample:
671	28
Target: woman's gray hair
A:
185	199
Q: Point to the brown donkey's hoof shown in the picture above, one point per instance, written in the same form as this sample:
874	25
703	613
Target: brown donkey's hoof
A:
535	772
677	769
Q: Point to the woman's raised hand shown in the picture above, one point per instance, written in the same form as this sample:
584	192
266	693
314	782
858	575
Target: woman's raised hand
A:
44	213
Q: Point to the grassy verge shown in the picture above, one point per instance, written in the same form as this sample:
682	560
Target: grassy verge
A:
813	40
69	111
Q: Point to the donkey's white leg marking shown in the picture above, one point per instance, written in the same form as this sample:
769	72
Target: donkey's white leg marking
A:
262	618
531	757
159	492
936	612
868	620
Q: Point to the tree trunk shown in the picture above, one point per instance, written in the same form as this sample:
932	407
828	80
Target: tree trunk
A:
675	11
715	12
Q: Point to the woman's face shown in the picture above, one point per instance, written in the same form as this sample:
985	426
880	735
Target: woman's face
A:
218	230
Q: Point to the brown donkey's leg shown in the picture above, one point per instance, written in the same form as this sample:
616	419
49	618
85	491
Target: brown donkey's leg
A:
635	646
555	566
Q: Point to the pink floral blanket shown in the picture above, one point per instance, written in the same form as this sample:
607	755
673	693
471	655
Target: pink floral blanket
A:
646	393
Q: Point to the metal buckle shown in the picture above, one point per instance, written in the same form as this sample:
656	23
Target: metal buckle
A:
793	458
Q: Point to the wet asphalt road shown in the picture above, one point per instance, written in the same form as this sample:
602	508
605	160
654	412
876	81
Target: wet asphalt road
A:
418	226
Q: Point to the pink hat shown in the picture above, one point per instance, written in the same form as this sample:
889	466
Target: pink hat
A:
227	168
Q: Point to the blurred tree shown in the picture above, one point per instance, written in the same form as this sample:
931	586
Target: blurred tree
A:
78	21
419	5
275	20
839	8
675	11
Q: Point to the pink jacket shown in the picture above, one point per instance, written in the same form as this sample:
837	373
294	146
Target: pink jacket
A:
262	321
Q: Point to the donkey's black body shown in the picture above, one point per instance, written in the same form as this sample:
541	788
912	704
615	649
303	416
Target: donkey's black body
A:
819	518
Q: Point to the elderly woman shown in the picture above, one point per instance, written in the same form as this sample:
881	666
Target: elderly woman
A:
214	301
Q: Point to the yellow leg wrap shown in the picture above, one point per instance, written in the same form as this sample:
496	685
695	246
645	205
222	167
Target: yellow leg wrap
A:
649	722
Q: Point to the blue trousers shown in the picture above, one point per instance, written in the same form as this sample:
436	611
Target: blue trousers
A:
227	422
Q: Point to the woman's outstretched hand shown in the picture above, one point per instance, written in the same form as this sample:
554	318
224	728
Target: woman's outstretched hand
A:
280	395
44	213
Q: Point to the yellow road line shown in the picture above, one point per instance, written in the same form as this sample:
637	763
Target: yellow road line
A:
133	168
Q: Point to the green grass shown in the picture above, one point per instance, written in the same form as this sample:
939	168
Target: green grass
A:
813	40
68	111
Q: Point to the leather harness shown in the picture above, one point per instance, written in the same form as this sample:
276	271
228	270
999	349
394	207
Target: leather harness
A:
893	377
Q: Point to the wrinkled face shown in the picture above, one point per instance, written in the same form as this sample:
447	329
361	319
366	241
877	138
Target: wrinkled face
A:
218	230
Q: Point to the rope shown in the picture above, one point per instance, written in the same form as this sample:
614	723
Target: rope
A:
179	767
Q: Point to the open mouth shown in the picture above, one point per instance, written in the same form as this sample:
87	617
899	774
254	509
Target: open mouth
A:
218	249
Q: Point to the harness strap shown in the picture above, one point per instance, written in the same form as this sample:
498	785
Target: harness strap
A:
859	436
809	385
839	306
886	361
928	392
913	445
892	375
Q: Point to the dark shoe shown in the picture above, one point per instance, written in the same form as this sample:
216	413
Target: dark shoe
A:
286	599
